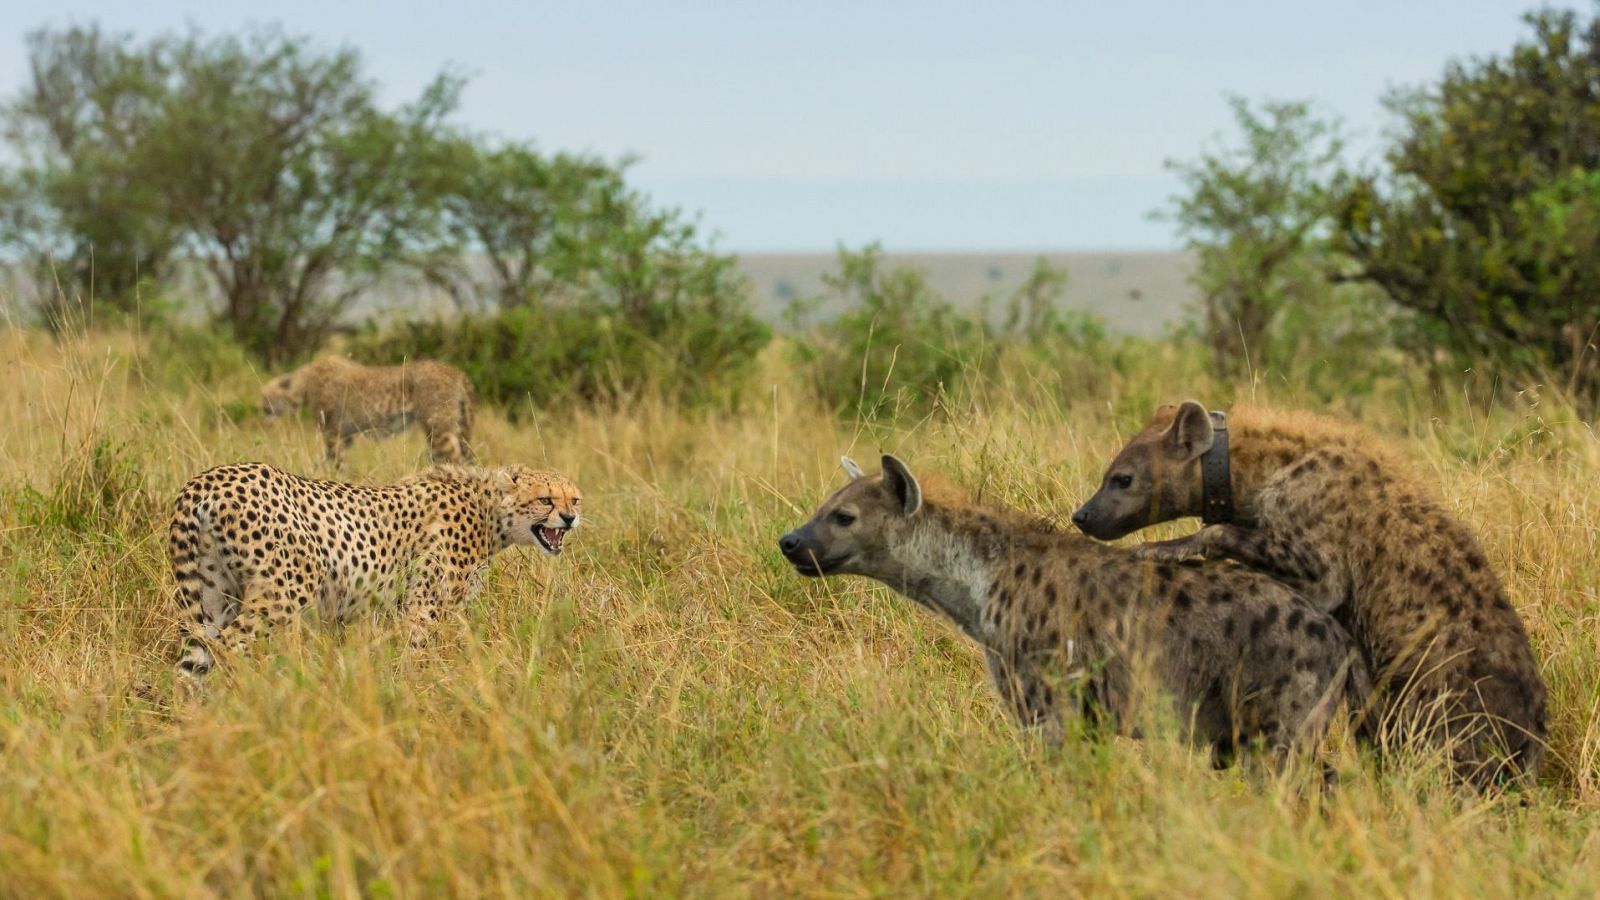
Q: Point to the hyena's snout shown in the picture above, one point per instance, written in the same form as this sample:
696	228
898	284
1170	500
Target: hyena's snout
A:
800	548
792	545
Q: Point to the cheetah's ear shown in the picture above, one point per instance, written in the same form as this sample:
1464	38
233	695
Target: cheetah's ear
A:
1190	435
851	468
902	485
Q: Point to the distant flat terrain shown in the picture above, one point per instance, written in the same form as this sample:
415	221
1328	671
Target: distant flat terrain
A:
1138	293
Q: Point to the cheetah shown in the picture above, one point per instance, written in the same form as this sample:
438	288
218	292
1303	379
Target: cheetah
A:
1320	506
350	399
1241	657
252	546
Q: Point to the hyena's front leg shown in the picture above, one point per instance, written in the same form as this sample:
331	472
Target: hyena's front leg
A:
1027	695
1174	550
1285	558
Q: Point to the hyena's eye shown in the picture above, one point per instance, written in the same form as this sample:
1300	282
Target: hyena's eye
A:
1122	481
843	519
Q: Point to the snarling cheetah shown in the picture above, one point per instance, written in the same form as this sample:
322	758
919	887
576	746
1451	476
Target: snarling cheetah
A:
350	399
252	546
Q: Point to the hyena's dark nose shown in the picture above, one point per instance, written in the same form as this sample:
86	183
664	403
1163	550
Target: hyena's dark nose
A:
789	544
1080	518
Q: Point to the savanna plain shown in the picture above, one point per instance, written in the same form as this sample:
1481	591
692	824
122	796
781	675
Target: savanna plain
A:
668	708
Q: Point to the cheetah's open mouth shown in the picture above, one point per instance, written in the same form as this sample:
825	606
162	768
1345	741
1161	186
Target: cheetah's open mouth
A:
550	538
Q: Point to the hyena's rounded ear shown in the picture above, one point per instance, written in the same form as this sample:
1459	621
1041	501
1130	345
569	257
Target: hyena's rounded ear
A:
902	485
851	468
1191	434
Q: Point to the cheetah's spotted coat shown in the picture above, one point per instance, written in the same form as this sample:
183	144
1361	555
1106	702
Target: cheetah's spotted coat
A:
252	546
350	399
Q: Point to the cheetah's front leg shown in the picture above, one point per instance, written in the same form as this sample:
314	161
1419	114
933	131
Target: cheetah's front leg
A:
266	608
434	590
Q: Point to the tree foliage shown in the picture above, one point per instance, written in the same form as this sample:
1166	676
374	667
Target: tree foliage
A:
1253	215
261	156
1487	222
505	221
271	163
288	181
80	207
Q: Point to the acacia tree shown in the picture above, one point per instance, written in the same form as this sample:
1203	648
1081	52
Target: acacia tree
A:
78	206
289	182
263	157
505	219
1251	213
648	264
1487	222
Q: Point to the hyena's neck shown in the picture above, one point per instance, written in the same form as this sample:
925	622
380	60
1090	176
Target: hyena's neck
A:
949	562
1255	454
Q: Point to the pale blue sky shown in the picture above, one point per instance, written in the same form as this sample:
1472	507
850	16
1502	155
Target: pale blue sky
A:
931	126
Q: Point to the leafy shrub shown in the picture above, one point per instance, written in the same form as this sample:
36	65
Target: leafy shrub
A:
100	490
897	346
179	354
1483	221
550	357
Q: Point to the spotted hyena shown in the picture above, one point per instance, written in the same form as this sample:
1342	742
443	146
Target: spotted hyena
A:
1239	655
1322	507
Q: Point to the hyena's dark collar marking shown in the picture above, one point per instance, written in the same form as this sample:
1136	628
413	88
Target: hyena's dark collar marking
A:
1216	481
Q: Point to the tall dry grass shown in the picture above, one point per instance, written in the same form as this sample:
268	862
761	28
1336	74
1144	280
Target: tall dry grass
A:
666	709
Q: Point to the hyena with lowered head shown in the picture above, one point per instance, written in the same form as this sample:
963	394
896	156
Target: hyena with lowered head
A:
1319	506
1240	656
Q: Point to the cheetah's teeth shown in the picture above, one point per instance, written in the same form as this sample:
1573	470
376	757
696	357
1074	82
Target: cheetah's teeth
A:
551	538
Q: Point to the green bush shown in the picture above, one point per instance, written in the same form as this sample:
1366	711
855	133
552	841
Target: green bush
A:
557	356
896	347
100	490
177	355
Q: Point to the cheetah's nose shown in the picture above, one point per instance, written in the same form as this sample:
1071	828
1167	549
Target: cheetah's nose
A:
569	518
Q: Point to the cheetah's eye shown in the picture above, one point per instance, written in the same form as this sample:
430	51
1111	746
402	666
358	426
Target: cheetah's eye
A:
843	519
547	501
1123	481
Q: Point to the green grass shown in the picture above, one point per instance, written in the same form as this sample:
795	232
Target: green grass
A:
666	709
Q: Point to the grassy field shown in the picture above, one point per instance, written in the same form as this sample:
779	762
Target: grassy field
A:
667	709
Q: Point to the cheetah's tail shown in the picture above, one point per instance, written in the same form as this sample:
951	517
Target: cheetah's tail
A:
188	542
